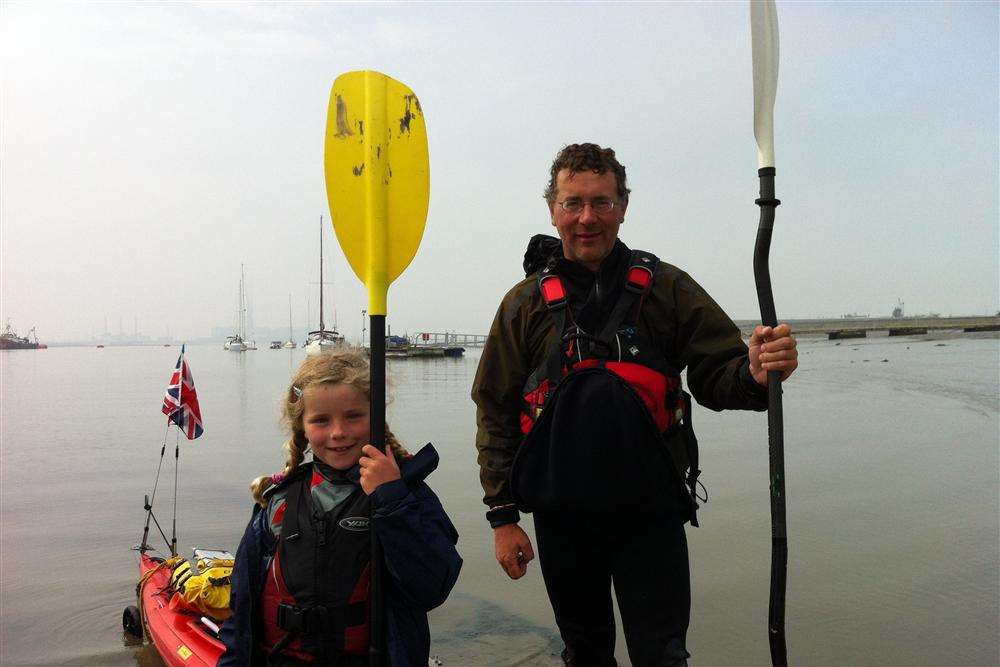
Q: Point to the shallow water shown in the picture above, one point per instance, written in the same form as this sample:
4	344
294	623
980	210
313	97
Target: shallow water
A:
892	484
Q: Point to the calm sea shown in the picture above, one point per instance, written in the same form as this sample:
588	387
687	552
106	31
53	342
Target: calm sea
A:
892	484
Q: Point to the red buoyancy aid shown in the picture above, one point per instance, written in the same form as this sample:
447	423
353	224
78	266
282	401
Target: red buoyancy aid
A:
622	350
315	599
643	368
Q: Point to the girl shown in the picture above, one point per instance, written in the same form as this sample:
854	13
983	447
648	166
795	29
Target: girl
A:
300	582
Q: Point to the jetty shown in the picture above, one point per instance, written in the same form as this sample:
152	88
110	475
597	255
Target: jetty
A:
447	338
406	347
441	343
835	329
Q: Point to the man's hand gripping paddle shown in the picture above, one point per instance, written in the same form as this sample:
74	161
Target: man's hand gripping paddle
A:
378	187
764	37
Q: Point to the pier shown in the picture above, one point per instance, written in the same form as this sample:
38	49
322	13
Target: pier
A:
835	329
448	338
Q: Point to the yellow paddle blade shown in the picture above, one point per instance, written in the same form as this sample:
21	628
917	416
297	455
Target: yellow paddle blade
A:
377	177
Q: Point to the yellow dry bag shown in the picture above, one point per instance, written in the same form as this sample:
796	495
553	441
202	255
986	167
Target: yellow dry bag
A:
206	590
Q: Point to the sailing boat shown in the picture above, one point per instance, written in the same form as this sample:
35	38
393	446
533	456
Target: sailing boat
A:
237	342
322	340
290	343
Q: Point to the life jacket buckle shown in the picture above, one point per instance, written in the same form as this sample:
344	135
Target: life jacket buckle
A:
553	291
639	279
292	618
585	345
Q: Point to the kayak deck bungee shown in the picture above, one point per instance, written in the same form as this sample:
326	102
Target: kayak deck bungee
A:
181	638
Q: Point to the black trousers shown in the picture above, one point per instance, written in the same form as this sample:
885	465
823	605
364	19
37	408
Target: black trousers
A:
280	660
646	558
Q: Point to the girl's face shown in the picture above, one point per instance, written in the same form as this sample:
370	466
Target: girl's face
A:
335	420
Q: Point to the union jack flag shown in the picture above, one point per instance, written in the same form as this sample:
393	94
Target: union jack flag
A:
180	404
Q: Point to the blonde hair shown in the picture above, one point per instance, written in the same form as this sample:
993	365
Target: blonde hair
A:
340	367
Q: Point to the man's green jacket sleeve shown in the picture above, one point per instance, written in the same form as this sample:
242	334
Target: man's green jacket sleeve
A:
496	390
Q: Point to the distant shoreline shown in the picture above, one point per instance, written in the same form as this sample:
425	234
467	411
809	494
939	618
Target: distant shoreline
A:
802	326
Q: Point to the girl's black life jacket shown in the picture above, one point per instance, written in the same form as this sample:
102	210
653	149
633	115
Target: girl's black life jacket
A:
314	605
598	411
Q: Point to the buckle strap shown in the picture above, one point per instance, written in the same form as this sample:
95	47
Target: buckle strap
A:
691	443
638	282
642	266
320	618
552	288
639	278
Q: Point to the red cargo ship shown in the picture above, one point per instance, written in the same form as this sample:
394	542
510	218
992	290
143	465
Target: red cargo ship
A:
9	340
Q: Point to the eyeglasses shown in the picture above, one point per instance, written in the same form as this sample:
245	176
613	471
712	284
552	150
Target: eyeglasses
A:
574	205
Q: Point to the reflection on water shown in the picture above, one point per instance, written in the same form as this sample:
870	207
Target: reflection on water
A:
479	632
891	464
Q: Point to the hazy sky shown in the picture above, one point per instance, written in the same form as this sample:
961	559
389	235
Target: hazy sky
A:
150	149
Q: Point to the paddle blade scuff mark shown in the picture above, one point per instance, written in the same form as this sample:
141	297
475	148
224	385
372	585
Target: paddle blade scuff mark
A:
343	128
359	169
404	122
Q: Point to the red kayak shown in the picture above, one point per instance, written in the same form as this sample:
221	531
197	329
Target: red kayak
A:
182	638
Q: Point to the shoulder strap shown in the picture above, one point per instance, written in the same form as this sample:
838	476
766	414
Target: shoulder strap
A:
293	498
553	291
638	282
285	480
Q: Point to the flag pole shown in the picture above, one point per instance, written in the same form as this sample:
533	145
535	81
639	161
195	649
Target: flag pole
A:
177	449
182	409
177	455
177	446
148	505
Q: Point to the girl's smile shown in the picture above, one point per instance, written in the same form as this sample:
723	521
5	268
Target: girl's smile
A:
336	424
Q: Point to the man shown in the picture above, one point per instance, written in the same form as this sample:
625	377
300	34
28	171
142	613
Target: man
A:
582	418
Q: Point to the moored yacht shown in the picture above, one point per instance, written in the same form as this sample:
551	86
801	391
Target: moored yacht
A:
322	340
237	342
290	343
234	344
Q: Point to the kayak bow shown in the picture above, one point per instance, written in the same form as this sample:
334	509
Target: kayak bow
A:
182	638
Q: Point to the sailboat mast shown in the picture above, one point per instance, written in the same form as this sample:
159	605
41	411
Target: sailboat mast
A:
321	326
242	307
290	317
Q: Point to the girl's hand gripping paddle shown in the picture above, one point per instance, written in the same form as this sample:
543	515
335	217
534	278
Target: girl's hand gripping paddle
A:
378	187
764	37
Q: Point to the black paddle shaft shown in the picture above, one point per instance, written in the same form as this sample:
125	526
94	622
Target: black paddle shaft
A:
775	426
376	653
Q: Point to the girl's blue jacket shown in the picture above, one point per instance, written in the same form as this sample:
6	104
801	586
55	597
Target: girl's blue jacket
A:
418	544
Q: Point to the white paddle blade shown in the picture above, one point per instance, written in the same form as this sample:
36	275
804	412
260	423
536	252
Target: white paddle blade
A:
764	36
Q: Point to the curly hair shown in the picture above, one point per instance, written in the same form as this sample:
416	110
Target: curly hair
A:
340	367
586	157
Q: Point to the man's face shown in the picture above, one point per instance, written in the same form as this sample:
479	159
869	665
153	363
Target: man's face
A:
587	235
